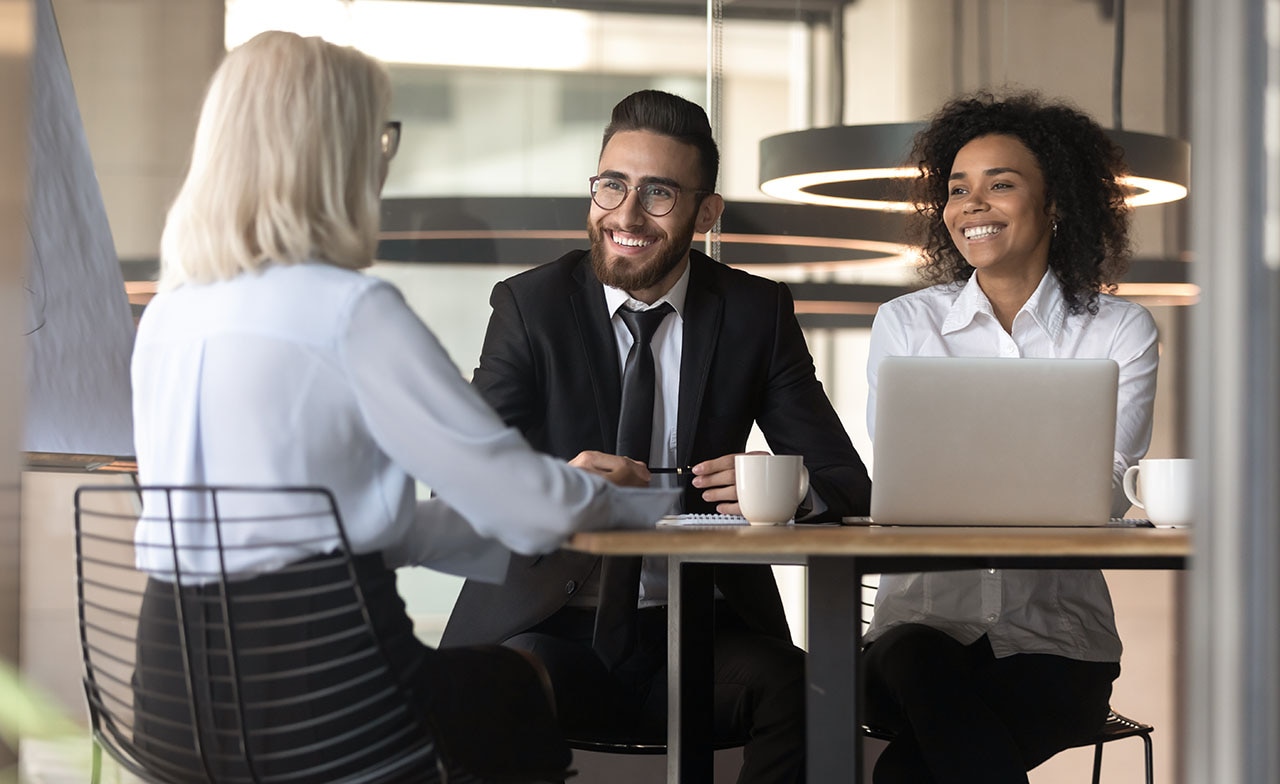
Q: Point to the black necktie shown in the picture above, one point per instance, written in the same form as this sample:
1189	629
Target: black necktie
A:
615	632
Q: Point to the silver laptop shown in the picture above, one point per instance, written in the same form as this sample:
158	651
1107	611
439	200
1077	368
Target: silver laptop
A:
981	441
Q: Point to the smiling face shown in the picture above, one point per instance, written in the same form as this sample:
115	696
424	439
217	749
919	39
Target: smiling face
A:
996	212
630	249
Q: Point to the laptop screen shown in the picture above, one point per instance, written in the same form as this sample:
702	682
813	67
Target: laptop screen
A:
985	441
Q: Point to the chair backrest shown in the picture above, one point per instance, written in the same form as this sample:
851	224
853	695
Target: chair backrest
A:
217	650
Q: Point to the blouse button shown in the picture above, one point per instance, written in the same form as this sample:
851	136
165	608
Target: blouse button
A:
570	587
992	617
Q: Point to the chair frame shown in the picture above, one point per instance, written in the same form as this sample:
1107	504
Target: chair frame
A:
104	729
1115	727
637	747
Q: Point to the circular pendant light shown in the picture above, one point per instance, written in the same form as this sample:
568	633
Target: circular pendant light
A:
867	166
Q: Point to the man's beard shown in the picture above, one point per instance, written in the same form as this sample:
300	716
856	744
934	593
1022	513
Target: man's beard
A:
630	277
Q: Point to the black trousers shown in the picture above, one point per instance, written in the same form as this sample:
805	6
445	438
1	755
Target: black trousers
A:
963	716
485	705
758	694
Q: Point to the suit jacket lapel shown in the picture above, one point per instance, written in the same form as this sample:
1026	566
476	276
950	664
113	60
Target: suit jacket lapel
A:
600	347
703	312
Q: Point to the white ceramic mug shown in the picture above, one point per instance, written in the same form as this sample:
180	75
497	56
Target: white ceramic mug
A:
770	487
1164	488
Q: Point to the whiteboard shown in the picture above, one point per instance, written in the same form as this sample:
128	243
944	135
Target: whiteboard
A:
78	328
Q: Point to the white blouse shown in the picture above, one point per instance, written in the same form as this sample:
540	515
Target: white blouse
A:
1067	612
311	374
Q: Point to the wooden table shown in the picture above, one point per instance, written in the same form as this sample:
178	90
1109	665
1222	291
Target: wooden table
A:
837	558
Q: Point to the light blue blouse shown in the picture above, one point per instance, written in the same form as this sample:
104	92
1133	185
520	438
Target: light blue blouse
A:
311	374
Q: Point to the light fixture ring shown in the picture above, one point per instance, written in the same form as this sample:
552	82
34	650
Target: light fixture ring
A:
865	166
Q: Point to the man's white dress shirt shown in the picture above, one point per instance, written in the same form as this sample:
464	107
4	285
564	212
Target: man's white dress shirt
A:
311	374
1067	613
667	345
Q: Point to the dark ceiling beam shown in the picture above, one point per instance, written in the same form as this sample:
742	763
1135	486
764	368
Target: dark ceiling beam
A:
807	11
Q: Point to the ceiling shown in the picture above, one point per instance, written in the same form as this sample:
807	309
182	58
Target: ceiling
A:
733	9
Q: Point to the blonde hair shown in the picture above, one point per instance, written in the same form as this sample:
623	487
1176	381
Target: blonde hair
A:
286	165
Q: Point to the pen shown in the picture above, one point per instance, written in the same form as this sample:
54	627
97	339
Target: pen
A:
670	470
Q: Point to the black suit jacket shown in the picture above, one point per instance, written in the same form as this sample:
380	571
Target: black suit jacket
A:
550	367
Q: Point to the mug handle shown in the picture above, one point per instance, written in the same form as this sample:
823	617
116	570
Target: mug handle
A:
804	484
1131	486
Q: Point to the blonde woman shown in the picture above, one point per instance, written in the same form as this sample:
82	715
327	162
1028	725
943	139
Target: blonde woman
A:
268	358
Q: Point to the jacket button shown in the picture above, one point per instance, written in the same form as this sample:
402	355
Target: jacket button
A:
570	587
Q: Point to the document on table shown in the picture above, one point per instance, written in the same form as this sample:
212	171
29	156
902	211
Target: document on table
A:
702	519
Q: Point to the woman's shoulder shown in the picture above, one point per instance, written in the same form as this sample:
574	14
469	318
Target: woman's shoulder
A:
931	299
1127	327
320	273
316	298
325	285
1125	311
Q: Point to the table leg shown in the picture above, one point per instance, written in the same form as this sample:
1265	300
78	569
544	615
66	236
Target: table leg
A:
690	671
831	704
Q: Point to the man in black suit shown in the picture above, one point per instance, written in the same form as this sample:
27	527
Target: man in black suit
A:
728	353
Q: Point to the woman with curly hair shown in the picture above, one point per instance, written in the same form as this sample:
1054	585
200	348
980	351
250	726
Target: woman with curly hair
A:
985	674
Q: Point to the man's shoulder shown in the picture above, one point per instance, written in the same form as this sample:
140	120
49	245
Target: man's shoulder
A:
728	280
562	272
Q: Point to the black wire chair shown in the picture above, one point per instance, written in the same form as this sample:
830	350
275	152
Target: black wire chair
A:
209	657
1116	726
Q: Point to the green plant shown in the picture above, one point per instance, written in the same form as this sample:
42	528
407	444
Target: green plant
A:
28	714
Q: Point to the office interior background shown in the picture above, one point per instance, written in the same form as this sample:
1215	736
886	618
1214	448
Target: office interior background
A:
502	108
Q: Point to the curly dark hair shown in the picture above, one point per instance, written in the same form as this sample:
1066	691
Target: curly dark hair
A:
1089	251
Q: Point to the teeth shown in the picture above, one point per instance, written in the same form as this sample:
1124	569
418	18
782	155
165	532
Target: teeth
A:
978	232
630	242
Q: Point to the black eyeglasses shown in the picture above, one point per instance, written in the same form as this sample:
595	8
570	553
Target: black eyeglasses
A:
656	198
390	139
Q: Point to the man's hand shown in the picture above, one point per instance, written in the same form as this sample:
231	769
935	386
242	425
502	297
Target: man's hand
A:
718	482
619	470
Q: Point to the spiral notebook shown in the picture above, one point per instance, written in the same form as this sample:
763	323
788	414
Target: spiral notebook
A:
702	519
983	441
